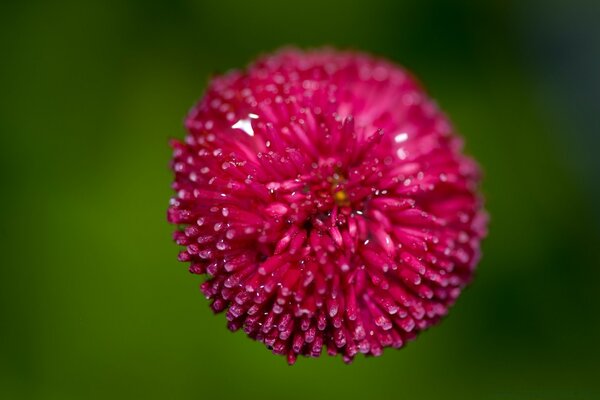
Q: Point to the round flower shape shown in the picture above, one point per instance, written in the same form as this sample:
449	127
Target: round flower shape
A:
327	199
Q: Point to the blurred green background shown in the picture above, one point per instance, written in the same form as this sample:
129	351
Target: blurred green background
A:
94	304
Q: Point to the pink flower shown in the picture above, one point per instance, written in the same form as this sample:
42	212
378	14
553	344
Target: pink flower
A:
327	199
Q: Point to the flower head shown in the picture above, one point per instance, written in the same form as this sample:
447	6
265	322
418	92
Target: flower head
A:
328	201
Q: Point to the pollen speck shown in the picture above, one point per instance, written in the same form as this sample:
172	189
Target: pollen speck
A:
341	198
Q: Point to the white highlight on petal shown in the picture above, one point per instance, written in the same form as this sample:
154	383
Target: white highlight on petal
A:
401	137
245	124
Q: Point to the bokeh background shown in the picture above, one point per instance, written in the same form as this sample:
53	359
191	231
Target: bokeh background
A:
94	304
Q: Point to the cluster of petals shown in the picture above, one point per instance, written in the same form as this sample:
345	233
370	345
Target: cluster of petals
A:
328	201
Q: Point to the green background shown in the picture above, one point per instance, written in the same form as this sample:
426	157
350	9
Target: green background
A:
94	304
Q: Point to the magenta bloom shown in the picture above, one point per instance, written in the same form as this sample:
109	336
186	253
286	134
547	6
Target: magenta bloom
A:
327	199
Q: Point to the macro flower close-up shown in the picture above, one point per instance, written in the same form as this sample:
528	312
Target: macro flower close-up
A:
302	199
327	199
